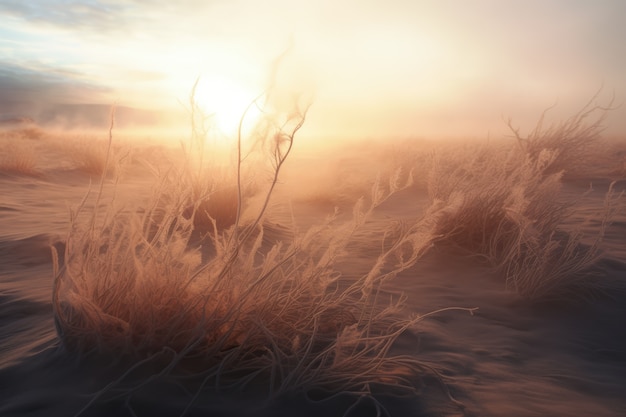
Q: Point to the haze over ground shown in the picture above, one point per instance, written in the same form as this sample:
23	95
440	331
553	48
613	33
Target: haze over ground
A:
372	69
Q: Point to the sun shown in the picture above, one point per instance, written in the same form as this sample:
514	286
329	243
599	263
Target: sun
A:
225	101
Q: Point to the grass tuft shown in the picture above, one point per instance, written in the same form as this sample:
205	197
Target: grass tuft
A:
141	284
504	205
18	158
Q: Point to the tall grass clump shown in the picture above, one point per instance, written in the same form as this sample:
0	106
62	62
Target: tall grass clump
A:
504	205
138	284
18	158
94	156
573	141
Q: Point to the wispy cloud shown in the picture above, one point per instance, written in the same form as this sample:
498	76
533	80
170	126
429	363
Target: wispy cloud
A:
97	16
32	90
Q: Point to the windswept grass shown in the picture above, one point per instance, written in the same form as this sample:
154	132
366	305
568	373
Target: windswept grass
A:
504	205
197	285
34	151
93	156
140	284
18	158
572	142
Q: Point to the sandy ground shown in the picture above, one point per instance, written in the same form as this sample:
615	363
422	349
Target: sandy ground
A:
510	358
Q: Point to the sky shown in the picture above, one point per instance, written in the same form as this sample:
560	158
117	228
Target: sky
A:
371	69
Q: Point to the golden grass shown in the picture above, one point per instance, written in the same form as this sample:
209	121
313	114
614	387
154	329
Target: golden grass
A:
18	158
503	204
138	284
89	155
197	281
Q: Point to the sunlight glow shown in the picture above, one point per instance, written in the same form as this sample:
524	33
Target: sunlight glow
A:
225	101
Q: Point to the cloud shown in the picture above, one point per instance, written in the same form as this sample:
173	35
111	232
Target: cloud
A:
95	15
60	98
106	17
31	90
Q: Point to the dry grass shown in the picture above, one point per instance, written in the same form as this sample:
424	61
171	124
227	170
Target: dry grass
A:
555	265
503	205
18	158
89	155
23	153
139	284
195	281
493	197
573	142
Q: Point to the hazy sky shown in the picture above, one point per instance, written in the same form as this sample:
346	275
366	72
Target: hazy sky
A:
395	68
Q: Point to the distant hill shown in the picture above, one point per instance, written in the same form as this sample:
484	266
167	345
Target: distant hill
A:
98	116
86	116
11	120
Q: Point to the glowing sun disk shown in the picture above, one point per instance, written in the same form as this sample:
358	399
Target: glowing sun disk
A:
225	102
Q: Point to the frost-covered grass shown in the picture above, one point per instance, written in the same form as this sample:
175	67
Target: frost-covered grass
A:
197	274
503	204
